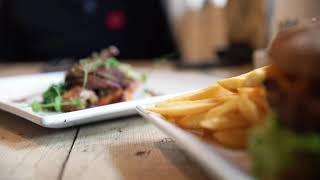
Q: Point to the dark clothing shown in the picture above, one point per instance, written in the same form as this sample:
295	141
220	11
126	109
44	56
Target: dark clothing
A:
44	29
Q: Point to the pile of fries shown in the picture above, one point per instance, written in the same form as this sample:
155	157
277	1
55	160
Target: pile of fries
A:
225	111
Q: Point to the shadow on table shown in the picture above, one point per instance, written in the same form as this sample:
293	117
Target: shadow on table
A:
181	160
154	160
145	161
18	133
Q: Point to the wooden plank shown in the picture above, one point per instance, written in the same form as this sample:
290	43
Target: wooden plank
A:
131	148
28	151
128	148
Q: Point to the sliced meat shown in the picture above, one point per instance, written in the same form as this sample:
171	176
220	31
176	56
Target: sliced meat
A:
109	83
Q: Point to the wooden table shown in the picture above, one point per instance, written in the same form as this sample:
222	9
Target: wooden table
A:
126	148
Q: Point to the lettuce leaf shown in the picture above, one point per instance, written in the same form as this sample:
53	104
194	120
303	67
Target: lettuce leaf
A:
272	147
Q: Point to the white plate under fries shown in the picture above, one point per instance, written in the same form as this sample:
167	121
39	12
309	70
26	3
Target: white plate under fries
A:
17	93
219	162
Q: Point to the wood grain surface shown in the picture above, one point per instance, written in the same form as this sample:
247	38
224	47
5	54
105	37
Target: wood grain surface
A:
28	151
127	148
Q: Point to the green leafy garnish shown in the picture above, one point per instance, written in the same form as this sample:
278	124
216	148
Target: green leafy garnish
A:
53	100
273	147
112	63
55	90
57	103
37	107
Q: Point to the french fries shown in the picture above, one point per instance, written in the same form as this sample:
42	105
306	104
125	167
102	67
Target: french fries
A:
233	138
232	120
248	108
213	91
191	121
184	109
250	79
226	110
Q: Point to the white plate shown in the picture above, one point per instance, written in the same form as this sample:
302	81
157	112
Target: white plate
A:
218	161
17	93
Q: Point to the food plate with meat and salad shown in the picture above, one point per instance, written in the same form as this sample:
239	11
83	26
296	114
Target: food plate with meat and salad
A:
96	88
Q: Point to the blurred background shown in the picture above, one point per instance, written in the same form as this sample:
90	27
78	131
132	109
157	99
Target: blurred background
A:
194	32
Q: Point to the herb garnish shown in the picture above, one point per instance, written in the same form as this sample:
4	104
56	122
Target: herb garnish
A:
37	107
53	100
89	66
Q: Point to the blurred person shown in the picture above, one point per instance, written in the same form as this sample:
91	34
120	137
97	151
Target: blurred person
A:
39	30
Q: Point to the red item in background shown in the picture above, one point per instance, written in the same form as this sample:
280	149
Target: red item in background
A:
115	20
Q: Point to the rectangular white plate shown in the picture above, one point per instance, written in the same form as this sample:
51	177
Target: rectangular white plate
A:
17	93
217	161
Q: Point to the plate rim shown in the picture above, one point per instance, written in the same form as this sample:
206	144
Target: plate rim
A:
58	120
95	114
219	167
